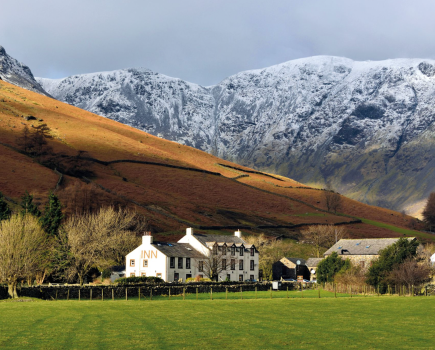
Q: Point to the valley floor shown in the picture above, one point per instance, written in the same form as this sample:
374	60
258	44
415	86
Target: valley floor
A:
310	323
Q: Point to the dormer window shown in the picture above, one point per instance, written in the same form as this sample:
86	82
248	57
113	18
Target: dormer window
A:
241	250
252	251
224	250
233	250
215	249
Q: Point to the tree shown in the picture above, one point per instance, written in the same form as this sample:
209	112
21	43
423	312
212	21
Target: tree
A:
332	199
410	273
100	240
269	252
429	211
52	216
330	266
39	139
25	140
5	211
322	236
28	206
389	259
23	249
217	261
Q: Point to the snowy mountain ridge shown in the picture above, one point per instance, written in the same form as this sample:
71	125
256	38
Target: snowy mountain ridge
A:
366	127
18	73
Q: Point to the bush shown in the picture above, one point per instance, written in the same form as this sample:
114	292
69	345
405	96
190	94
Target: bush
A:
330	266
143	279
194	279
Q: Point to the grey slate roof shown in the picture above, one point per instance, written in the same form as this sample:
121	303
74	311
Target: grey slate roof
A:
294	260
369	246
204	238
182	250
313	262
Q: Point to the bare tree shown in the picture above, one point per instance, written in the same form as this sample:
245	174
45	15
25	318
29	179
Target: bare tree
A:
429	211
217	261
411	273
269	251
100	239
322	236
332	199
23	250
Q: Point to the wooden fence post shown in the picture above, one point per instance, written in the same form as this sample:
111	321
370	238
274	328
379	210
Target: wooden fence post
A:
270	292
113	294
79	294
126	294
151	294
255	292
351	291
211	293
139	293
241	296
196	293
378	289
102	294
56	294
425	292
90	295
319	292
67	294
169	295
287	292
226	293
184	293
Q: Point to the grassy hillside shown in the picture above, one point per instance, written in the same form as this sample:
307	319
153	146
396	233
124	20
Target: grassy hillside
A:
173	185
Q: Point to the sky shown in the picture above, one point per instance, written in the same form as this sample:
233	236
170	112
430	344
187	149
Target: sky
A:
205	41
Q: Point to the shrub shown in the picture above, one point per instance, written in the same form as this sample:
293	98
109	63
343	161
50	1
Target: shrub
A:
330	266
143	279
195	279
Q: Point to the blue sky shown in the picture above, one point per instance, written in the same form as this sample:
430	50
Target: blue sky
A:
204	41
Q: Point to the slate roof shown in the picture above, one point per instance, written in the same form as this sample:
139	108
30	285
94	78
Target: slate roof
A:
204	238
313	262
369	246
182	250
294	260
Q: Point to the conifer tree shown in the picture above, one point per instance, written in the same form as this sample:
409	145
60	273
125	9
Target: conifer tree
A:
5	211
52	216
28	206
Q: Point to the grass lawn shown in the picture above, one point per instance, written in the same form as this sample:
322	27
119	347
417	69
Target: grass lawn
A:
309	323
401	230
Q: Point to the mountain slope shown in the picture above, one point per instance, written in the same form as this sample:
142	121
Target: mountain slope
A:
17	73
104	162
366	127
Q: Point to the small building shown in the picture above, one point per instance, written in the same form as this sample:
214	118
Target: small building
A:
432	260
288	268
238	261
311	264
117	272
361	251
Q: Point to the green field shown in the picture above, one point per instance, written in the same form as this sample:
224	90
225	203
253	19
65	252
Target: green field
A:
309	323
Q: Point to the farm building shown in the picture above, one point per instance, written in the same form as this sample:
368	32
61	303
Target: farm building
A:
191	255
311	264
361	251
290	268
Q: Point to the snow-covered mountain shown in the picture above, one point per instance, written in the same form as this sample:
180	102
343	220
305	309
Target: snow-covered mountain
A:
17	73
366	127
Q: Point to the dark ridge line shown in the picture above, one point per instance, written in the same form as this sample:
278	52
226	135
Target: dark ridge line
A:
250	171
203	227
150	163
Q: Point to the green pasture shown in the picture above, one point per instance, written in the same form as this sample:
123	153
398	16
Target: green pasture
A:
386	322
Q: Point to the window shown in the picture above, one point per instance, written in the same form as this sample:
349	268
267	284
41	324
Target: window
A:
251	263
159	275
215	249
251	277
240	278
362	263
132	274
228	277
224	264
233	250
180	263
242	249
187	263
224	250
240	264
132	262
172	262
233	264
143	274
252	251
176	276
145	263
201	266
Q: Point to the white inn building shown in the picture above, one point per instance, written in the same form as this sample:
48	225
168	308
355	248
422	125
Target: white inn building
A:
233	258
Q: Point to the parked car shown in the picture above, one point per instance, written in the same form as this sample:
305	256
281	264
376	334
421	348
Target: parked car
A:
313	281
306	281
249	280
289	280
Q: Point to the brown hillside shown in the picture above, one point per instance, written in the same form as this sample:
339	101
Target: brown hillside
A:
171	184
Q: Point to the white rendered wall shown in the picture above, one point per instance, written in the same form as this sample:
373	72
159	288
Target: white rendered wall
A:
156	262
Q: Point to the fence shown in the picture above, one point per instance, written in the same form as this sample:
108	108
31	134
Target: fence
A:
65	292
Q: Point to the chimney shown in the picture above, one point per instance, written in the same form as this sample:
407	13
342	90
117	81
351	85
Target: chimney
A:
189	231
238	233
147	238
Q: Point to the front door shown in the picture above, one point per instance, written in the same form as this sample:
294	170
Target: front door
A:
176	276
